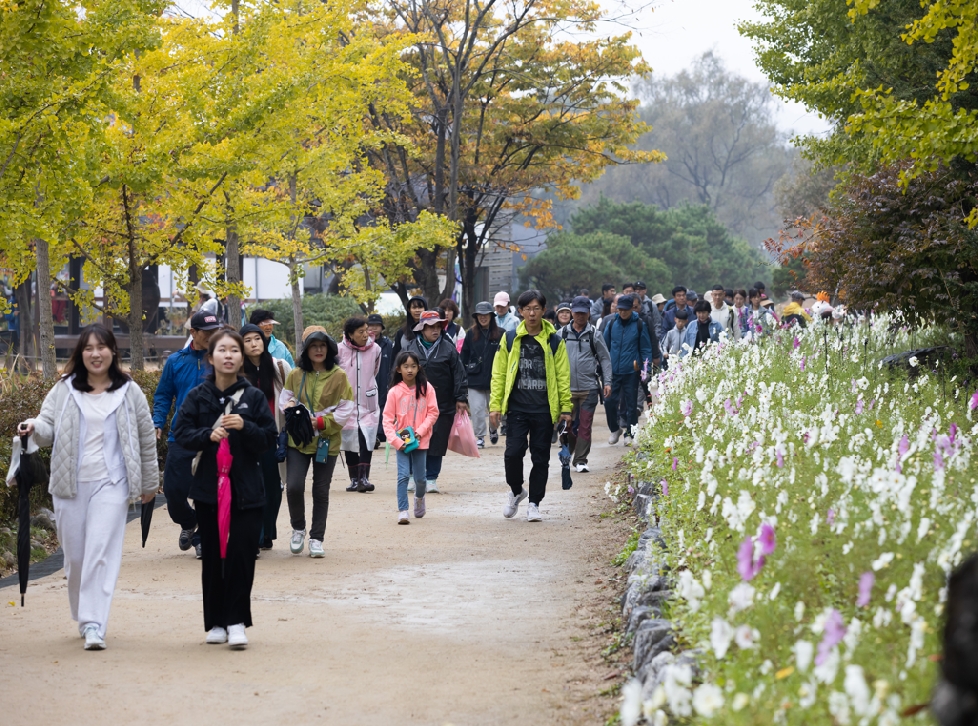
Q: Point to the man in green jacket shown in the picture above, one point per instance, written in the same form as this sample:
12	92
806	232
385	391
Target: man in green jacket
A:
531	385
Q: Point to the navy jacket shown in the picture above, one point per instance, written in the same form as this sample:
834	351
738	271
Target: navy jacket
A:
183	371
669	319
628	341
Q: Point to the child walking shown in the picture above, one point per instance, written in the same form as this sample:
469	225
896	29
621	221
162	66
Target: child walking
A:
410	403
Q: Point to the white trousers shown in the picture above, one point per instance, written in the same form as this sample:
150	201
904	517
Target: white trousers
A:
478	410
91	528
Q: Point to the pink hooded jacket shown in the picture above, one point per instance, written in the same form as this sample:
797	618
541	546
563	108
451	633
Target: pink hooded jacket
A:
361	366
405	409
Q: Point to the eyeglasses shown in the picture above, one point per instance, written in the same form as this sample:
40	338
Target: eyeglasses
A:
533	309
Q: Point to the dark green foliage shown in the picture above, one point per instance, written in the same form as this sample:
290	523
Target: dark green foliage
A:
22	397
330	311
695	249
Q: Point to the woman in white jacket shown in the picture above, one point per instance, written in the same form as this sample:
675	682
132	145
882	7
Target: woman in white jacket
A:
104	457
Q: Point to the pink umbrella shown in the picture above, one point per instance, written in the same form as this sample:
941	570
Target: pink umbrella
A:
224	460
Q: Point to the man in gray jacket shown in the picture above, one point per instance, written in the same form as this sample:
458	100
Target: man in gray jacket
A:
590	370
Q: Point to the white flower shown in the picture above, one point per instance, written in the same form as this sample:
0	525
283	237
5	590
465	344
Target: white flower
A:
740	700
631	702
720	637
839	707
707	698
884	559
803	655
707	577
857	690
799	610
741	598
746	637
690	590
774	591
677	682
913	364
657	701
806	695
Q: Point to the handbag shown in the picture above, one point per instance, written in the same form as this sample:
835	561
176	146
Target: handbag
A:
232	402
409	438
474	367
282	444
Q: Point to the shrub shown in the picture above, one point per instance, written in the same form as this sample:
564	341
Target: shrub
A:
813	503
330	311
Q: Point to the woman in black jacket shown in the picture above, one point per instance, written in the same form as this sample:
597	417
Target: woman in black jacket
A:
478	351
226	406
443	367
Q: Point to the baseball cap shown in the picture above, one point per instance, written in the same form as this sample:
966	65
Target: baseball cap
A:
640	285
204	321
797	295
581	304
429	317
625	302
563	306
502	298
375	319
484	308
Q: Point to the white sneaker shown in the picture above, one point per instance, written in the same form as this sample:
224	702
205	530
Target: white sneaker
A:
93	641
402	517
581	468
628	440
316	548
236	636
533	513
411	484
217	636
480	442
298	538
613	439
509	511
432	487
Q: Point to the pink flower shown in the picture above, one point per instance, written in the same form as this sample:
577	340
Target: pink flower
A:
904	446
953	432
859	406
675	463
974	401
830	517
835	631
665	488
780	458
728	407
802	364
938	460
686	407
866	582
747	566
795	343
767	539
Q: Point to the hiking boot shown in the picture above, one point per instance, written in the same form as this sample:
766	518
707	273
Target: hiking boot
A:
493	437
186	540
354	479
216	636
93	641
365	479
298	541
509	511
316	548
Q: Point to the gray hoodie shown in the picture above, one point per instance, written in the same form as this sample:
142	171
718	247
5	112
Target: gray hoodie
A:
583	366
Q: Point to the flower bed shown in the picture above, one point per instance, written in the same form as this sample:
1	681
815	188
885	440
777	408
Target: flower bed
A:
812	504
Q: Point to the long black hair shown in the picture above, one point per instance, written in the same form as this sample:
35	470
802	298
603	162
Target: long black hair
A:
495	332
212	345
264	374
420	382
407	332
76	364
331	351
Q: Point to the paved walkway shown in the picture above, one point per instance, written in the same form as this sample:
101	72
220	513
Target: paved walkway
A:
463	617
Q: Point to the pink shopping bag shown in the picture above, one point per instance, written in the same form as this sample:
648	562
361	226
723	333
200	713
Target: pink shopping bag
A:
461	440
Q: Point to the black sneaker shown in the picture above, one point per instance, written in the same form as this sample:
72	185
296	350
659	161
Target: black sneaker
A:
493	436
267	544
186	539
198	551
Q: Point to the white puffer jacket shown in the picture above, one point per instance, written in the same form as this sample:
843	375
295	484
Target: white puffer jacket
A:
59	423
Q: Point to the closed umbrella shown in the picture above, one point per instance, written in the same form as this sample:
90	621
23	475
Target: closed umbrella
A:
146	518
30	471
565	457
224	460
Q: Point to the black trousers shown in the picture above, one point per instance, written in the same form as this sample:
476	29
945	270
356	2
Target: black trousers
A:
273	496
296	468
177	477
533	431
227	584
622	405
365	454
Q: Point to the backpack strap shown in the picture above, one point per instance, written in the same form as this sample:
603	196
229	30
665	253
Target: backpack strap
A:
554	341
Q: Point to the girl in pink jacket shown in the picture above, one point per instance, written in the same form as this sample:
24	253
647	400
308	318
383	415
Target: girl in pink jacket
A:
409	415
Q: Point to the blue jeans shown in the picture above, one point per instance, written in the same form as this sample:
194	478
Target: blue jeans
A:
408	464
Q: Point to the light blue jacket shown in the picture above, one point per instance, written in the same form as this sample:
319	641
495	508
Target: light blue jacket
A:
507	321
690	338
278	349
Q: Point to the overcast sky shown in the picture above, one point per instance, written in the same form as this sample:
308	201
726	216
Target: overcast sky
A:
674	32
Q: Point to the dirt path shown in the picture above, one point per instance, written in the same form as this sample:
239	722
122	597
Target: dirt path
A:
463	618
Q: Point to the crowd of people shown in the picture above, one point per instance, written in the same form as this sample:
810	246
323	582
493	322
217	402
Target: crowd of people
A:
249	417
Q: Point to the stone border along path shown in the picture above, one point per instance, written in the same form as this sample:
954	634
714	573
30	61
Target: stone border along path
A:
462	618
646	590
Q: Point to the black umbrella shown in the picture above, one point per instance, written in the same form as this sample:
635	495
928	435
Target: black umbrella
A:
146	518
30	471
565	457
298	424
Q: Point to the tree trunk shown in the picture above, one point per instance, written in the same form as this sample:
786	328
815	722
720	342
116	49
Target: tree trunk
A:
49	365
426	275
232	267
299	323
26	323
135	290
